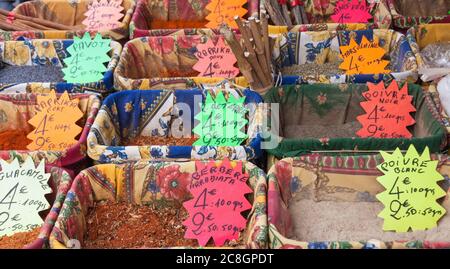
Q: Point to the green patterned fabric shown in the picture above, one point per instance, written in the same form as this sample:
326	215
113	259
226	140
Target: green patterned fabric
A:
328	104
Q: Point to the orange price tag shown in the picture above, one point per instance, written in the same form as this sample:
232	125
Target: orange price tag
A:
55	122
363	58
223	11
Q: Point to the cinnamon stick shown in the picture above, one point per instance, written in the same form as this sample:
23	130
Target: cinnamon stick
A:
265	32
47	23
244	65
275	14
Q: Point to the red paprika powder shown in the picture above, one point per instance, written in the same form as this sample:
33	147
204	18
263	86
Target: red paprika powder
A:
159	24
14	140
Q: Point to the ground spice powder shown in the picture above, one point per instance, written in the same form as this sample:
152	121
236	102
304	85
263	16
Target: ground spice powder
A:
14	140
161	141
19	240
175	24
123	225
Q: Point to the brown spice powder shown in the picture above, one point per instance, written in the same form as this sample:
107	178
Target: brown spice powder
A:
123	225
19	240
161	141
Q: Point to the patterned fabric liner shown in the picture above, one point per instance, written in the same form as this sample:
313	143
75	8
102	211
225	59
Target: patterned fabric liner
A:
404	22
17	108
60	182
68	13
342	179
131	113
147	183
52	52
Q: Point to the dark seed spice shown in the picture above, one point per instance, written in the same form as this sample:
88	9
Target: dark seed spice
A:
24	74
318	131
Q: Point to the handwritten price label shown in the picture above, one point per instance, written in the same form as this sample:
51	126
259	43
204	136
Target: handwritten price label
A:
365	58
411	191
223	11
55	123
103	15
215	210
387	112
22	190
351	11
87	56
221	121
215	60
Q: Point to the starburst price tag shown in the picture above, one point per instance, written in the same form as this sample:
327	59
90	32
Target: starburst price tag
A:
55	122
215	210
364	58
22	196
103	15
221	121
411	191
351	11
87	56
223	11
215	60
387	112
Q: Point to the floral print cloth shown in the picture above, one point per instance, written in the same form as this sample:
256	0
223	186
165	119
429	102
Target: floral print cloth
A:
52	52
342	178
67	12
276	30
323	46
403	22
148	183
320	11
168	63
128	114
60	182
168	10
17	108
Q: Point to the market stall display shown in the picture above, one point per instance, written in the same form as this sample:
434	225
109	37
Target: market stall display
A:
306	193
162	18
57	19
135	125
18	108
36	66
145	190
60	182
325	119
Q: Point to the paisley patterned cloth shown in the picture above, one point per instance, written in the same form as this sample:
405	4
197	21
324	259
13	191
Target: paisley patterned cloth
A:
60	182
331	104
422	35
168	64
402	22
320	11
168	10
144	183
323	46
52	52
67	12
17	108
342	178
128	114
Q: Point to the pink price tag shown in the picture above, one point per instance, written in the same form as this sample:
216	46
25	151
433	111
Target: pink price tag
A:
215	210
351	11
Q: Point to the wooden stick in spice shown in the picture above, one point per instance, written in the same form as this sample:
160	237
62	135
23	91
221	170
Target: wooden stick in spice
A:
275	14
260	50
265	32
232	41
295	9
285	12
